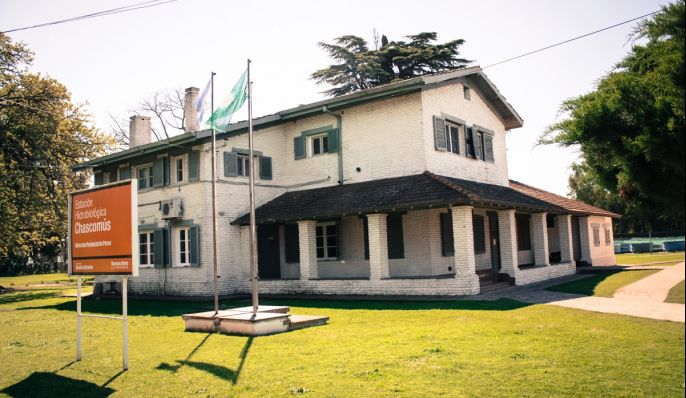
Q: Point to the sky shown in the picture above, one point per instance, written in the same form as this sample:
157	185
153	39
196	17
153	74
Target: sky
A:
113	62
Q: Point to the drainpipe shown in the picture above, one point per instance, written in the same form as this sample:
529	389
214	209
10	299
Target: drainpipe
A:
339	126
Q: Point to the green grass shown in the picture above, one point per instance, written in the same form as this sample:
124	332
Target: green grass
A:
676	294
369	349
647	258
603	284
25	280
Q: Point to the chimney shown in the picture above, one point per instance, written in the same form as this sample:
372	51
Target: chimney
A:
190	118
139	131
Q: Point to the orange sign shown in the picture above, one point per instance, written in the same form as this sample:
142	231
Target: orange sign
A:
103	237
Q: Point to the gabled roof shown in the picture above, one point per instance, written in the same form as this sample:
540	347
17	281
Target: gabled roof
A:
473	75
570	205
392	194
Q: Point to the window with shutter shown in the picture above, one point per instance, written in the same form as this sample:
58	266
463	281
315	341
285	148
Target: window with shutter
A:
230	164
479	234
439	134
292	241
447	242
265	168
158	173
394	236
452	135
299	147
469	142
327	241
523	231
478	137
194	166
194	255
147	248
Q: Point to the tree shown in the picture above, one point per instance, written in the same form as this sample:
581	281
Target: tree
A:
42	136
167	113
631	127
359	68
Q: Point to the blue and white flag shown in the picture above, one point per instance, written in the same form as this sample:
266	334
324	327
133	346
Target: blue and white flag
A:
202	106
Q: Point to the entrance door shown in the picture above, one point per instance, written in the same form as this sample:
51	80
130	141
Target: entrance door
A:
268	264
576	239
494	241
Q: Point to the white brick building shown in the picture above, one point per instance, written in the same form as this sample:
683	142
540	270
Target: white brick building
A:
399	189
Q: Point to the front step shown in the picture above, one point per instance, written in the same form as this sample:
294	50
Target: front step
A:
489	287
305	321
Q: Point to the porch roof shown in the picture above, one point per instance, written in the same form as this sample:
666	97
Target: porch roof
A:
413	192
571	205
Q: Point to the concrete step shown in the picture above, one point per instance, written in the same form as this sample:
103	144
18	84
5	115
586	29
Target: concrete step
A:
305	321
489	287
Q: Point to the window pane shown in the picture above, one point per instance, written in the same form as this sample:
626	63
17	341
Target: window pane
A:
179	169
183	258
320	241
320	231
454	147
330	230
247	166
332	251
316	150
143	238
325	141
239	166
320	252
143	259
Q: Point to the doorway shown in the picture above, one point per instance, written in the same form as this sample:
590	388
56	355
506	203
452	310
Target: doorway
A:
494	242
268	261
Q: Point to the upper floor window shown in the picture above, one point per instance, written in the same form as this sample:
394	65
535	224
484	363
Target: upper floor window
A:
145	175
243	165
184	258
467	92
320	144
179	169
452	136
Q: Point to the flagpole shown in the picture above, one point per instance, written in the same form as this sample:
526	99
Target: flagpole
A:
253	232
214	203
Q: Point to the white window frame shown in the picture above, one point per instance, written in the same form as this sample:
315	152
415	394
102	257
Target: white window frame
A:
448	138
184	169
187	246
325	242
149	178
149	248
318	138
242	165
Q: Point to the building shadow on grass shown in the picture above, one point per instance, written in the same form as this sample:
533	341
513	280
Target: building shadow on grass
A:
178	308
219	371
584	286
26	295
45	384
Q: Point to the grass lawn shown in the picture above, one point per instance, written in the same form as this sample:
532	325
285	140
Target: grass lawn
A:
647	258
602	284
369	349
25	280
676	294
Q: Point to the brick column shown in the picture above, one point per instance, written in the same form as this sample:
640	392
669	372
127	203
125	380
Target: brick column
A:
539	235
585	240
463	239
307	238
508	242
564	229
378	246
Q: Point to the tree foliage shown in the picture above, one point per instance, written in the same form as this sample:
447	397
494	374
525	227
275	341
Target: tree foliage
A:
42	136
357	67
631	127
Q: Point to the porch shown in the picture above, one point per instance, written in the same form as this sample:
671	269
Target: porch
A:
460	238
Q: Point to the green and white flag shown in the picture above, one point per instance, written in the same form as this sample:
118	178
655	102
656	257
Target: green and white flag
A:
221	118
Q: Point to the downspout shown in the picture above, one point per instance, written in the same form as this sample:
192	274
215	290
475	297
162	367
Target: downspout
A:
339	126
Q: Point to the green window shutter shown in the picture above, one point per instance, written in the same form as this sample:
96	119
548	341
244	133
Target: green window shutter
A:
366	237
447	242
439	134
97	178
334	137
165	166
194	256
488	148
124	173
265	168
194	166
292	243
478	137
166	243
299	147
158	172
469	141
394	236
230	165
339	255
158	238
479	234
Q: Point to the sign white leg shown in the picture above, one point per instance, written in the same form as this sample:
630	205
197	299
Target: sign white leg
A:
125	311
78	318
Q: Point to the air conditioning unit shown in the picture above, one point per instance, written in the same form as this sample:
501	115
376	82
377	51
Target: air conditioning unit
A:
172	208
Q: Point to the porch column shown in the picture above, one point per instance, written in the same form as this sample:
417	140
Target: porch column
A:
463	241
508	242
307	238
378	246
585	240
539	233
564	229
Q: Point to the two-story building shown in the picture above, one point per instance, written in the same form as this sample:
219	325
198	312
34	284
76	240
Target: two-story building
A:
401	189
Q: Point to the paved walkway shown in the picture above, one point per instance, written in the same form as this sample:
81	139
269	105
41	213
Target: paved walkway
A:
644	298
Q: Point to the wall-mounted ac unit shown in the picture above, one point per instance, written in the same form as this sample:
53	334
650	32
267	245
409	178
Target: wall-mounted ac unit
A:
172	208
